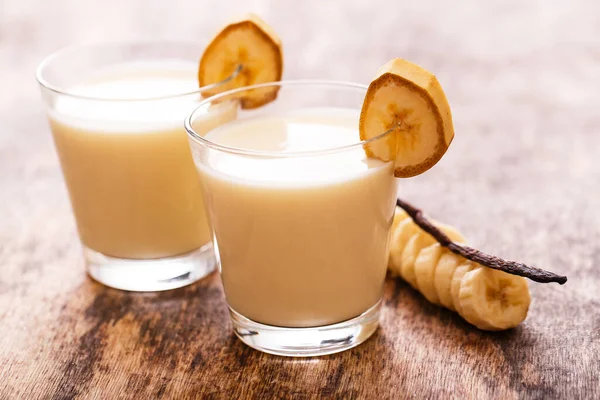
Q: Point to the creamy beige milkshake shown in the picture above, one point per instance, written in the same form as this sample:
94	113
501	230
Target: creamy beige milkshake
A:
302	239
132	182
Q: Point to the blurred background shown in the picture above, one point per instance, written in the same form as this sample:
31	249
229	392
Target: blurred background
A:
517	50
522	78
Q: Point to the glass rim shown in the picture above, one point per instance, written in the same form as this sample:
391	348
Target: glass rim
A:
56	55
277	154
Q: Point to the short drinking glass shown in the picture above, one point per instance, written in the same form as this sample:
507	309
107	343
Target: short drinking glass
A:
116	112
300	215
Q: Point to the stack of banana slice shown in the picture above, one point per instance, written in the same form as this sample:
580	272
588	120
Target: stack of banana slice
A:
489	299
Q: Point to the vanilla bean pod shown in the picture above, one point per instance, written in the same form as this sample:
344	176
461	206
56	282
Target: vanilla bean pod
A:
487	260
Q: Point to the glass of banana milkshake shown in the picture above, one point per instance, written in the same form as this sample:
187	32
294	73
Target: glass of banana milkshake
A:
116	112
300	214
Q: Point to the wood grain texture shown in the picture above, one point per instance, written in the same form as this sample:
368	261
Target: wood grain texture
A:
521	180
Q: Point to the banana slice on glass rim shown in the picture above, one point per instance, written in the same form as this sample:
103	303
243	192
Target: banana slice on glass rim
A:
409	100
249	51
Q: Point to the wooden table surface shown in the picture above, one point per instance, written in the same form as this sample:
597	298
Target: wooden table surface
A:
521	180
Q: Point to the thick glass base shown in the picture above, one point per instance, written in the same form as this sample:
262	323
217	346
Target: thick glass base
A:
306	342
150	275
